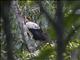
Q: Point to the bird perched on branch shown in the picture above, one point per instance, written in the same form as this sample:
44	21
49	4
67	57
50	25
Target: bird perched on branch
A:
35	29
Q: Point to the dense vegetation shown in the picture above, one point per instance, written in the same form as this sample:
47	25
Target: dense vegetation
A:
45	14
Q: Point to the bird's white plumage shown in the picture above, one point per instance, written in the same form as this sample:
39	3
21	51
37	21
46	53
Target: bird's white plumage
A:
32	25
35	31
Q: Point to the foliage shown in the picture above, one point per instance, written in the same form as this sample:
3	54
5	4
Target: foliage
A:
46	52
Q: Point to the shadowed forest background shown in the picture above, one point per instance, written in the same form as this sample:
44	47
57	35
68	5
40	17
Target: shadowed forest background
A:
59	20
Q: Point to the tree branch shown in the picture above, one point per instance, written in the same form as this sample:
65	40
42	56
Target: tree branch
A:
46	13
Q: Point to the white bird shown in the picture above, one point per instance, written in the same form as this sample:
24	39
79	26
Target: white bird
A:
35	30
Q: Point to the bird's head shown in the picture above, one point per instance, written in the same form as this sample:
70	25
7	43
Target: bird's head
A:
27	19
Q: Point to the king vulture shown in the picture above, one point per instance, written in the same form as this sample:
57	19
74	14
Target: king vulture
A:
35	30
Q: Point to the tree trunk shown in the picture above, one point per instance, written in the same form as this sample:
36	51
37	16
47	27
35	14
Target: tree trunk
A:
29	42
5	11
59	30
